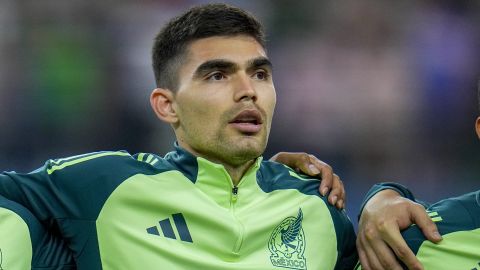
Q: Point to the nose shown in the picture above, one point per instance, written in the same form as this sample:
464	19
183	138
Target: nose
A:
244	88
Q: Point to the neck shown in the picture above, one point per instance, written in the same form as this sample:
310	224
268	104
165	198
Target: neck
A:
236	170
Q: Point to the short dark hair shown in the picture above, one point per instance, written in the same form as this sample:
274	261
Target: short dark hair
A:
198	22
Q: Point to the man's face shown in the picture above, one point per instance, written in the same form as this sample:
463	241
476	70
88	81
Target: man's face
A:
225	99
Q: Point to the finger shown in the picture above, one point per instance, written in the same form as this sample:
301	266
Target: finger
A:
385	256
390	233
420	217
337	190
372	258
362	255
304	164
325	172
343	198
377	250
339	204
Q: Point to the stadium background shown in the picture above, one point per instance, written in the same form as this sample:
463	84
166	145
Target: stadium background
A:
381	90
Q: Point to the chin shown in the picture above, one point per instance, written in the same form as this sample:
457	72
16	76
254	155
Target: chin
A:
249	148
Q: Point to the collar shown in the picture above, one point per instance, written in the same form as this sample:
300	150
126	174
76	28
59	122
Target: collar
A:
212	178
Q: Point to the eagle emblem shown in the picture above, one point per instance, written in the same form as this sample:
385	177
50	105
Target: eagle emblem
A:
287	243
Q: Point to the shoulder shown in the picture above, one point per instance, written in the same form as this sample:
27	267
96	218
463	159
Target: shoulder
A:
105	164
274	176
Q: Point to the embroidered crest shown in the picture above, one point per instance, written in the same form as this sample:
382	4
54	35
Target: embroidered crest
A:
287	244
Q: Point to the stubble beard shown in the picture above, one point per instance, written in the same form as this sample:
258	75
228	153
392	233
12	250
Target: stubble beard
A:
235	150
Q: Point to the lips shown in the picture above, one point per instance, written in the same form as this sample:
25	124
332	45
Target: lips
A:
248	121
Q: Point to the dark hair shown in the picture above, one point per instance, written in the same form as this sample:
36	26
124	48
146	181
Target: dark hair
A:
203	21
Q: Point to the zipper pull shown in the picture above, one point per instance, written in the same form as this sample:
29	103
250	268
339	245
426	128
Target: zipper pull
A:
234	194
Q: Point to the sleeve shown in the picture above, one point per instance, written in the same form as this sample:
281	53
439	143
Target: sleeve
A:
401	189
69	188
24	244
36	191
347	251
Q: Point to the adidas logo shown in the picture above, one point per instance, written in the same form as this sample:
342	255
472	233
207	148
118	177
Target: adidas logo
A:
168	230
434	216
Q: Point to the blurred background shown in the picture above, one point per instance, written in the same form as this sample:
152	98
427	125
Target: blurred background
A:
380	90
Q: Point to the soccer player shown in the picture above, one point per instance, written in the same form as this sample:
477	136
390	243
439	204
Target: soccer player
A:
24	244
211	203
391	207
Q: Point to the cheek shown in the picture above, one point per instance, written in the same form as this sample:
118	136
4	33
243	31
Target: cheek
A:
200	116
269	100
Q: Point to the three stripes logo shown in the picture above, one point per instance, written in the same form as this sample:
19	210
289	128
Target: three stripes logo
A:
148	158
168	230
434	216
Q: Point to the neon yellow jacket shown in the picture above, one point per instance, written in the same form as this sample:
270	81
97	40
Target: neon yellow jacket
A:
119	211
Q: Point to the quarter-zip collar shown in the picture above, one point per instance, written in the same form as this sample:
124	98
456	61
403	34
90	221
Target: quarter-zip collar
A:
212	178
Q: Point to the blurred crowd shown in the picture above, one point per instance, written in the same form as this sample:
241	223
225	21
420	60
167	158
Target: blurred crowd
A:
381	90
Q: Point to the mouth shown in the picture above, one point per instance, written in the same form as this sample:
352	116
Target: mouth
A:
248	122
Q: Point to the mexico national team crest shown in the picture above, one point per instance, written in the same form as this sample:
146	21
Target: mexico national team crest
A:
287	243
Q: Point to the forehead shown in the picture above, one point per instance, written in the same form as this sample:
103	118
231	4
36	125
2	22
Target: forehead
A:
238	49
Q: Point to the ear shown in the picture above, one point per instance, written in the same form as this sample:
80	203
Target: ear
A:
161	101
477	127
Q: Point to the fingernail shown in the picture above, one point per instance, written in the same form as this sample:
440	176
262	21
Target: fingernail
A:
437	235
313	169
324	191
340	204
334	199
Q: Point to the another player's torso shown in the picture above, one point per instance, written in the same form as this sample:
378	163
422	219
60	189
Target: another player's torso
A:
15	245
168	221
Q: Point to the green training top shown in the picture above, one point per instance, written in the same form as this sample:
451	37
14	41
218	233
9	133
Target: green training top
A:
25	245
119	211
458	221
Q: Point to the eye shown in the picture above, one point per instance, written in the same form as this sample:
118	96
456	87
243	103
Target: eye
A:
261	75
217	76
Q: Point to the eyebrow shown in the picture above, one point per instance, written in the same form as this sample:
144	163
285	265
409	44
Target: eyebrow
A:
258	63
216	64
229	66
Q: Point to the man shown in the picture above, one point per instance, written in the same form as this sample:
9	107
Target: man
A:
24	244
391	207
212	203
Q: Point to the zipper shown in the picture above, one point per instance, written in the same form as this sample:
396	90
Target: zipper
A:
241	228
234	194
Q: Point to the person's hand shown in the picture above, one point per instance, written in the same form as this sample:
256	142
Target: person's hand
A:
310	165
379	239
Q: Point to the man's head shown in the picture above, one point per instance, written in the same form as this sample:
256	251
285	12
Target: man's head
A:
199	22
217	90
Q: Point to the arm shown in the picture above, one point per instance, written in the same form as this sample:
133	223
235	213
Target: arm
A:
348	256
388	209
35	191
26	245
312	166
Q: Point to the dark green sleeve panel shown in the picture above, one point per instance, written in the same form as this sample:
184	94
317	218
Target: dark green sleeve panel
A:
282	177
63	189
49	251
454	214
